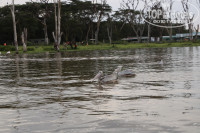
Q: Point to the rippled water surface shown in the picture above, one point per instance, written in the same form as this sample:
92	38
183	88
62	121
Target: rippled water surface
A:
52	93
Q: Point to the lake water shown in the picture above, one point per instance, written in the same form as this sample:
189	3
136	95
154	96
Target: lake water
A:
51	93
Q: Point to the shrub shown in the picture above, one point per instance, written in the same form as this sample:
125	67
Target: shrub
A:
187	44
30	49
30	44
48	49
7	48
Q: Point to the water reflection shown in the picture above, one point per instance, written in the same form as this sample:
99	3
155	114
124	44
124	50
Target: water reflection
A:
52	92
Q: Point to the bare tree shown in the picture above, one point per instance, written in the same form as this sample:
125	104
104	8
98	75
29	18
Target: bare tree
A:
45	32
149	32
24	39
12	8
149	25
57	34
45	16
134	16
186	7
197	28
88	31
196	32
99	10
169	30
109	28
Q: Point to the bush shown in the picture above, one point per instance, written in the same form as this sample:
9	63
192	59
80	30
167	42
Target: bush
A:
120	42
7	48
187	44
48	49
30	49
30	44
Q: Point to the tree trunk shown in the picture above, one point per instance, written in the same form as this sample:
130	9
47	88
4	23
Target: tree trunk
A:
23	42
45	32
136	32
14	26
56	22
197	31
55	40
191	31
148	34
109	29
25	35
87	36
92	35
170	34
171	39
55	34
139	38
141	30
109	35
98	26
96	36
59	26
161	32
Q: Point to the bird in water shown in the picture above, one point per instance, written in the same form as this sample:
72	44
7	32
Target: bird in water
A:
161	62
8	53
124	73
106	79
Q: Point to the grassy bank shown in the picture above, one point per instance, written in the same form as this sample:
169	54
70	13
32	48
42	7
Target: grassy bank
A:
42	48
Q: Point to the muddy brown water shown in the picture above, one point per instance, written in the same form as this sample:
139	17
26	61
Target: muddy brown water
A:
51	93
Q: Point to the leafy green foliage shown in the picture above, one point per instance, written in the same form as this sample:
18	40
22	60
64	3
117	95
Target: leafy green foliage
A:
7	48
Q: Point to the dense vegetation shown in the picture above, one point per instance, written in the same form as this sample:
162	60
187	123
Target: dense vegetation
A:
78	22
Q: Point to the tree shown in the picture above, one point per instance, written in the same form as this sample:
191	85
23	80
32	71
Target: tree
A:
12	8
78	22
109	28
57	34
156	31
24	39
196	32
99	11
78	14
134	16
41	13
169	30
186	7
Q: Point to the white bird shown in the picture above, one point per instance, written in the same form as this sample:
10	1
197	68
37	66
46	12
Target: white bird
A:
124	73
8	53
106	79
161	62
98	76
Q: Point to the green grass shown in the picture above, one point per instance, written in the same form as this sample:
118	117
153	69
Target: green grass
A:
42	48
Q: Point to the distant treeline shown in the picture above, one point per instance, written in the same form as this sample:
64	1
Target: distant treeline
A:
79	22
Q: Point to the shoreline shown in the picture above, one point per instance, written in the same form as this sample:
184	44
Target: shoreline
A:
49	48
